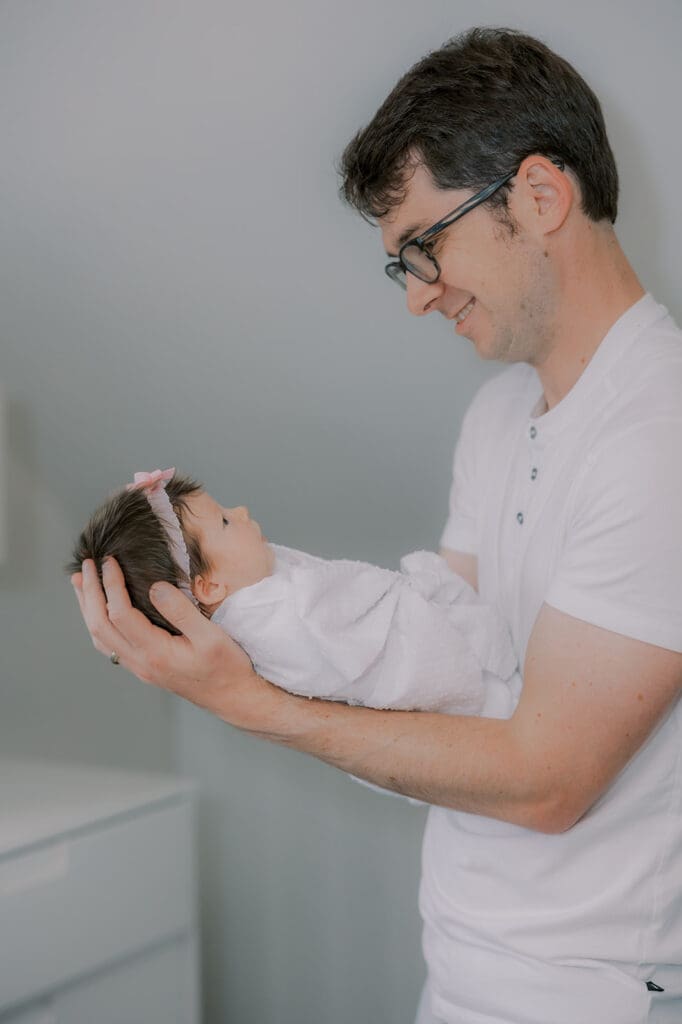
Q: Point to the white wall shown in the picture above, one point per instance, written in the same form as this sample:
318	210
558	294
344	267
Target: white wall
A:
179	285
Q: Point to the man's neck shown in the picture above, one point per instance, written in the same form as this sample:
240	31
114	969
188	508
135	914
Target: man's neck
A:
596	289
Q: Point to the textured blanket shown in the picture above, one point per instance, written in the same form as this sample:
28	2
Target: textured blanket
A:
417	639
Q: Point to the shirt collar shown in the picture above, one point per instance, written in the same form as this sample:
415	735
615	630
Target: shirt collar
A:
575	405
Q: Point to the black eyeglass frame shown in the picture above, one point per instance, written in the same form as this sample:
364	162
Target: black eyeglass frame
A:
396	269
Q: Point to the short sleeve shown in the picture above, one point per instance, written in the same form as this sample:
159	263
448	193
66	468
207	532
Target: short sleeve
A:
621	564
460	533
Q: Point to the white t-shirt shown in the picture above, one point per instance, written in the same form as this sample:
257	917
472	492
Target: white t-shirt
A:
579	507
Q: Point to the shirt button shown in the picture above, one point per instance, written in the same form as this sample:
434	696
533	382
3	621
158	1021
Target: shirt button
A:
533	432
519	516
533	472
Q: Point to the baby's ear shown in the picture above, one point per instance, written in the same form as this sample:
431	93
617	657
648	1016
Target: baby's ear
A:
207	592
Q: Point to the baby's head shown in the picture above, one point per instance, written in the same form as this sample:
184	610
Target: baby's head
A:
188	540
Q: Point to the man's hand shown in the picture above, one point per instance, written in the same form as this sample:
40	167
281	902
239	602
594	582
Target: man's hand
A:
203	665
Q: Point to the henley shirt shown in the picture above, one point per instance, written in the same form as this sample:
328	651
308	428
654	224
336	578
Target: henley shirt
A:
579	507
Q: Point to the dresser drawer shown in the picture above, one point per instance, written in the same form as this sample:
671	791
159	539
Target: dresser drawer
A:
157	987
71	906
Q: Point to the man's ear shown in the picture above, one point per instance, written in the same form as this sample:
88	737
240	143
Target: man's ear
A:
545	194
208	592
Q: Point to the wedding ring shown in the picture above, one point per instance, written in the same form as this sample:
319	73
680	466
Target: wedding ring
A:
114	658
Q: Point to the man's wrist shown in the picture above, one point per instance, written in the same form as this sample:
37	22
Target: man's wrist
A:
254	705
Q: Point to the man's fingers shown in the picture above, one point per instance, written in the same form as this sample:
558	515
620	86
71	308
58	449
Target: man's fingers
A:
115	626
130	623
178	609
117	596
94	609
177	663
77	582
211	648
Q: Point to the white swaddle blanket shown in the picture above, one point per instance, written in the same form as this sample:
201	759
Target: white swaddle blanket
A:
418	639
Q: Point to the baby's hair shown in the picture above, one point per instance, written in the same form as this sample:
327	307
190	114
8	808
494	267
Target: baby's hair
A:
126	528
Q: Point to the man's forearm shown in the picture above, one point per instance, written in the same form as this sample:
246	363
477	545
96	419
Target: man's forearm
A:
464	763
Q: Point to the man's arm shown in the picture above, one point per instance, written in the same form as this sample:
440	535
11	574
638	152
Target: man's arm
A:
591	697
463	564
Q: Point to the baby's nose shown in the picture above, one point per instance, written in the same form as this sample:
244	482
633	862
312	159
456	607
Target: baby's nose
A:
242	511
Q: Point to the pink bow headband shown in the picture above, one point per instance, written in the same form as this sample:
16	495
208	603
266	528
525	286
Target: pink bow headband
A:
154	486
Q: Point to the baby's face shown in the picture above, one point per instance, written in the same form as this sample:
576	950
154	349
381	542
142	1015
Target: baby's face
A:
232	543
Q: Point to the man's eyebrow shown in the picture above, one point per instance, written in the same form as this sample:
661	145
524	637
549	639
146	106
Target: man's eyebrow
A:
412	231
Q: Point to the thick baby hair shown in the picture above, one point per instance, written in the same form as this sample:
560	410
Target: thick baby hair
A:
126	528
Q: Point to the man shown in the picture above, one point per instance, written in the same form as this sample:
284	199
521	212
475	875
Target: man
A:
553	851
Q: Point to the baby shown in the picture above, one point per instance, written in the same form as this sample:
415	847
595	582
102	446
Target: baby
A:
417	639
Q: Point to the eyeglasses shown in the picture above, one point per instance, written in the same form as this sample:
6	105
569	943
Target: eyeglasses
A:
414	256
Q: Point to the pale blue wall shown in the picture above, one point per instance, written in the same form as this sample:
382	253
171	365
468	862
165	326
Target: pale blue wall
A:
180	286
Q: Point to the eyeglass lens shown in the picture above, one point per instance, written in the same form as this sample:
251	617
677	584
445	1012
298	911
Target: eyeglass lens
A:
397	274
419	263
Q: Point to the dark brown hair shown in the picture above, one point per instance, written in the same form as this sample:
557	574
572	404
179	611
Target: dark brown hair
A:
471	112
126	528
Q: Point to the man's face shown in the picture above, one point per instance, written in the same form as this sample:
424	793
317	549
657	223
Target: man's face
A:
231	542
499	284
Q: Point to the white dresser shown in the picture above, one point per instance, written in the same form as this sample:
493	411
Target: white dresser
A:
98	906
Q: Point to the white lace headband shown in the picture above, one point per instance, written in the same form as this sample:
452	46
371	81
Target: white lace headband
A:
154	486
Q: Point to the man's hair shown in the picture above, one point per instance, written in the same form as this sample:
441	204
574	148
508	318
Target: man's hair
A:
471	112
126	528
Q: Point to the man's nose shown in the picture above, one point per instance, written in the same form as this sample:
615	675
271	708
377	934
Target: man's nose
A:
422	298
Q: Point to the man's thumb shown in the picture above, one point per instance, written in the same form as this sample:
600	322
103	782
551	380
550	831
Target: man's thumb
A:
172	604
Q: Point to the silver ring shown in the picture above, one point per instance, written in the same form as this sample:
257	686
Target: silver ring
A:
114	658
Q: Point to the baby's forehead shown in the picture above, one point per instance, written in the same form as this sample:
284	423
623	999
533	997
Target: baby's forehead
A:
202	505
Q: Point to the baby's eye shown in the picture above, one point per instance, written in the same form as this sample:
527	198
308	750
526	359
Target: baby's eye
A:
226	522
